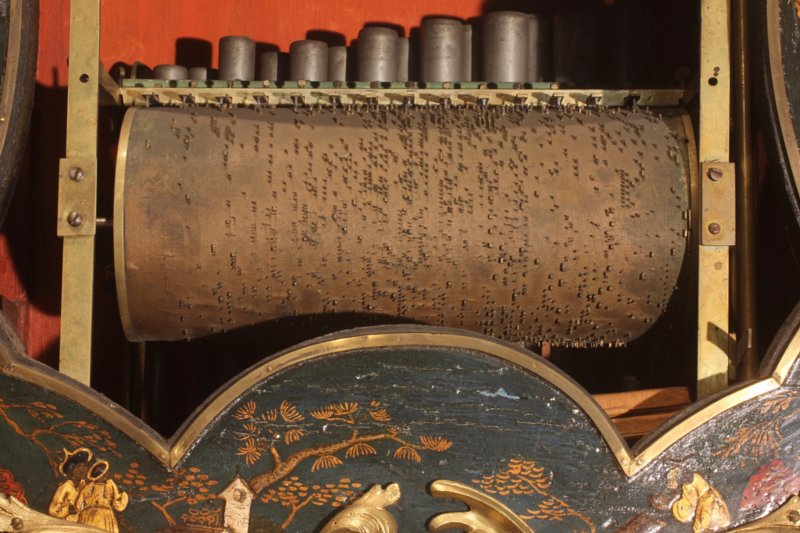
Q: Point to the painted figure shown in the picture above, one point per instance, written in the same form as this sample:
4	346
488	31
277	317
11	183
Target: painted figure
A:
73	467
100	498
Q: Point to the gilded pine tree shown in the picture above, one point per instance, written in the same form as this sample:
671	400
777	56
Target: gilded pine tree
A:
276	436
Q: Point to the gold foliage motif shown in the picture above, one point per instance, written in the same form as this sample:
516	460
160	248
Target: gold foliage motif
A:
336	411
295	495
289	412
359	449
763	438
525	477
245	411
407	453
325	462
251	451
294	435
380	415
437	444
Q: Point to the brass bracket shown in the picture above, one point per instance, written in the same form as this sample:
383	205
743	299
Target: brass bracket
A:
77	196
718	197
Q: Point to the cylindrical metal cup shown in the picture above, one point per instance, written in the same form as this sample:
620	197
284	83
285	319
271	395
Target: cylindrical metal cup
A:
268	66
308	60
337	63
170	72
505	46
402	59
237	58
540	49
442	42
466	52
198	73
377	54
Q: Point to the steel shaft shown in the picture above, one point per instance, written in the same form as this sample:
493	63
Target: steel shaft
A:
268	63
337	63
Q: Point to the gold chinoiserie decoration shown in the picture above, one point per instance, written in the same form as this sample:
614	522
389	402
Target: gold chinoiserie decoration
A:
485	515
17	517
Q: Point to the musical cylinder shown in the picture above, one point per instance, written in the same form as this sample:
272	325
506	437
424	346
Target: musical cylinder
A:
237	58
170	72
198	73
308	60
337	63
540	49
516	231
268	65
377	54
442	50
505	46
402	51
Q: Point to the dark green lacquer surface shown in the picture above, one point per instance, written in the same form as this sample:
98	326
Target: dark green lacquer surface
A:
409	416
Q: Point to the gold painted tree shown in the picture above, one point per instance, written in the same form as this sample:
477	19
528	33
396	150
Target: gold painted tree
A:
188	485
523	478
44	425
262	433
763	438
295	495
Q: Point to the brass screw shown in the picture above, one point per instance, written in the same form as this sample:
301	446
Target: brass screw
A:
76	174
714	173
75	219
714	228
17	524
794	516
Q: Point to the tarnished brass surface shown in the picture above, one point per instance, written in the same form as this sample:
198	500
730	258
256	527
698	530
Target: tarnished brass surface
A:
367	513
529	225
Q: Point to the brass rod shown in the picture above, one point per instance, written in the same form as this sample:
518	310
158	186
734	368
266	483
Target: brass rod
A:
745	200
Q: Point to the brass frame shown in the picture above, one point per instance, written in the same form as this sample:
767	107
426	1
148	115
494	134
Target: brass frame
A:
713	273
713	340
79	196
170	452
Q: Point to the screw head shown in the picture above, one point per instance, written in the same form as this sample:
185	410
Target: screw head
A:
76	174
794	516
714	173
714	228
75	219
17	523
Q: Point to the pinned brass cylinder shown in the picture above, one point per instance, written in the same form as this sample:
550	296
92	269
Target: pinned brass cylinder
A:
524	224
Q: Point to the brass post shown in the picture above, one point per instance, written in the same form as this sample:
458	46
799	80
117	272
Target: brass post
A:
77	196
747	351
716	236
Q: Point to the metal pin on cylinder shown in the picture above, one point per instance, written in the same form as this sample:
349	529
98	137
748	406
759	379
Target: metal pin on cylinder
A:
337	63
308	60
402	59
505	46
442	49
268	66
540	49
198	73
170	72
237	58
377	54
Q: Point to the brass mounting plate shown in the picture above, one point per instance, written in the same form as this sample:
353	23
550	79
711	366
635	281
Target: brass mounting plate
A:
718	197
